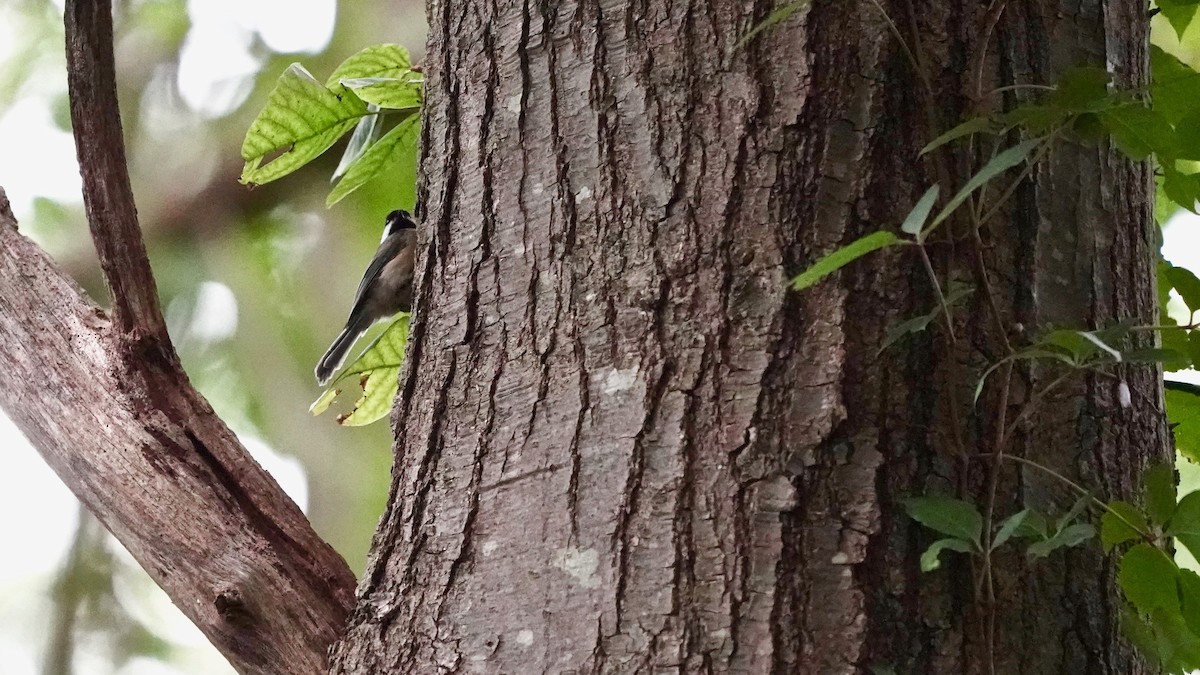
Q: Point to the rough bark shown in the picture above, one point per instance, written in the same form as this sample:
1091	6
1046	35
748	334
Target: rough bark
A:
104	400
624	446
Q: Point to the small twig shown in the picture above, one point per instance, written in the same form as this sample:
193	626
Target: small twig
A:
937	288
107	195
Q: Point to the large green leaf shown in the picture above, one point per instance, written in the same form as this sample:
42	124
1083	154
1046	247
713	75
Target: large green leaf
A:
1160	492
1138	131
948	516
301	120
1183	411
395	147
842	257
1176	87
1185	523
1179	13
1148	578
378	368
1082	89
1185	282
1181	188
387	61
1122	522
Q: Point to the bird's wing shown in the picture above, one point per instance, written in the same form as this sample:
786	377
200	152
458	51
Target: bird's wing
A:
386	252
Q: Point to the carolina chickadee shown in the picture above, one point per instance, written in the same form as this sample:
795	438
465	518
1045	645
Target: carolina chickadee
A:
385	289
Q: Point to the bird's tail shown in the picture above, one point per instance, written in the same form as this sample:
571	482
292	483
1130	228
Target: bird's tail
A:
336	355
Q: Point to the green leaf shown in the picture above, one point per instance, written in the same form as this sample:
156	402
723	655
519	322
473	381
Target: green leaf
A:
1193	350
1077	508
918	323
379	369
1164	282
1151	355
396	146
1189	599
929	559
1009	527
392	93
920	213
1175	88
947	515
968	128
1185	523
1138	131
998	165
776	17
389	61
1177	341
1183	411
1179	13
1034	526
1082	89
1181	188
1187	137
1072	535
1160	493
844	256
301	119
1139	632
322	404
1036	119
1186	284
1122	522
1178	647
1148	578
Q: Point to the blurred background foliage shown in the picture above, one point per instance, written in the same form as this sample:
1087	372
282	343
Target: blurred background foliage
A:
255	282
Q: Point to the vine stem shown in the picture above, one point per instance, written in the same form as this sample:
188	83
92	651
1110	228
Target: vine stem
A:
937	288
1097	502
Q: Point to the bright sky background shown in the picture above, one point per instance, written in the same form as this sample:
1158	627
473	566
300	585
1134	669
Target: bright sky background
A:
37	513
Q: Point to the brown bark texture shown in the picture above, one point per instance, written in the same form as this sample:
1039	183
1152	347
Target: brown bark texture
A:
623	445
104	400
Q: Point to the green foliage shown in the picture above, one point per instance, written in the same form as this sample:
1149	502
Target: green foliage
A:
994	168
387	151
303	118
1179	13
1183	410
844	256
918	323
971	127
378	370
915	220
947	515
1122	522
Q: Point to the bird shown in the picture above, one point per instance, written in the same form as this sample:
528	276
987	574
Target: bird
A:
385	289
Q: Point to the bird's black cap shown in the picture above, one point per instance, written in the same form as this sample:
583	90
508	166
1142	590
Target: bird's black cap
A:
398	220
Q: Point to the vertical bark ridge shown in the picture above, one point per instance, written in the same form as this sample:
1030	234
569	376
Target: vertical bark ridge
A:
625	446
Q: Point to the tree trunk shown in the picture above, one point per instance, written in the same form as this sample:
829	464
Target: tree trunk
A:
623	445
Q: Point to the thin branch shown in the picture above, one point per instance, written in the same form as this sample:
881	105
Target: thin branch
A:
100	146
